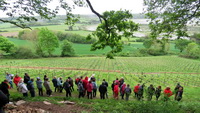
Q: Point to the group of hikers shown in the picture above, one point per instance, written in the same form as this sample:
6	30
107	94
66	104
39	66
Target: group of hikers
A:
86	86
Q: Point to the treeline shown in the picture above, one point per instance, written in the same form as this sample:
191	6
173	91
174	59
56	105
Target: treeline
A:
44	42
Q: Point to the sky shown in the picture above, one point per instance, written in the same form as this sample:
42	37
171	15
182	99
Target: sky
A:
135	6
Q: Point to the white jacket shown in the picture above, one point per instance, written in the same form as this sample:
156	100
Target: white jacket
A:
22	88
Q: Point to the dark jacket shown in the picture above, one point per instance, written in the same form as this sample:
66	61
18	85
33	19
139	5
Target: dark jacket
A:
3	99
55	82
26	79
102	89
4	88
66	86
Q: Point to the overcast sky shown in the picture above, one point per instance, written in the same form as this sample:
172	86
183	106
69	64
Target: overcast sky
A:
135	6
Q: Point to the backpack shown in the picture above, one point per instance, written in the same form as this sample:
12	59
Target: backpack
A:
29	86
94	85
127	90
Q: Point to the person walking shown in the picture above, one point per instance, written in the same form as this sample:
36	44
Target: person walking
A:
3	101
158	92
116	90
102	90
55	83
140	92
176	89
136	89
167	93
22	88
4	88
66	86
60	84
47	87
179	94
128	92
150	92
89	90
26	78
16	79
39	86
106	84
9	78
94	90
31	88
122	89
80	89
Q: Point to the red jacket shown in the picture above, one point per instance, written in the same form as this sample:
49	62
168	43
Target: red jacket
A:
89	87
16	80
123	88
168	92
85	82
116	88
136	89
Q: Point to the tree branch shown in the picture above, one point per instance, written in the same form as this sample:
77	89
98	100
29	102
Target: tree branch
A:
15	23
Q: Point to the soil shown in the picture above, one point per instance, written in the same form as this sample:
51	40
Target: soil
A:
6	34
40	107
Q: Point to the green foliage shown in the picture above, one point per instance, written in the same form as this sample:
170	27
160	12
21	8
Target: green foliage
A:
193	50
75	38
148	43
6	45
47	41
31	35
196	37
181	44
23	52
117	24
67	49
171	16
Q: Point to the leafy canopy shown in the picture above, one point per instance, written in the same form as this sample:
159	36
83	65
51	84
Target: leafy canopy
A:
67	49
115	26
48	41
6	45
171	16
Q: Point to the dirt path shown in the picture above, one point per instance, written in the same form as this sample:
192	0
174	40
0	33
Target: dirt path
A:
85	69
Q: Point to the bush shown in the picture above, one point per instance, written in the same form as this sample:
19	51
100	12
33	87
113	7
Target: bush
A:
67	49
24	53
75	38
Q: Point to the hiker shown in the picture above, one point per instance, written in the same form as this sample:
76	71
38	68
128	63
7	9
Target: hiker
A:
85	82
176	89
92	78
66	86
30	86
179	94
158	92
3	101
9	78
22	88
47	87
106	84
26	78
77	80
80	89
94	90
136	89
60	84
39	86
122	90
55	83
140	92
116	90
89	90
167	93
112	86
4	88
45	76
121	81
150	92
102	90
71	84
16	79
117	81
127	92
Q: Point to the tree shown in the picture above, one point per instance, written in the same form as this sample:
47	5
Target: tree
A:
171	16
181	44
67	49
6	45
114	26
47	41
193	50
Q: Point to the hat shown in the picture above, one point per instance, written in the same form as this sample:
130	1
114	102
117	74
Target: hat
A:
38	77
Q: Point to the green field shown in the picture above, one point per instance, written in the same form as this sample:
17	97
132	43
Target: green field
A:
164	70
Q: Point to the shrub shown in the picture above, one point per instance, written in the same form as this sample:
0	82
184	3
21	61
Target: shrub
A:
67	49
24	52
